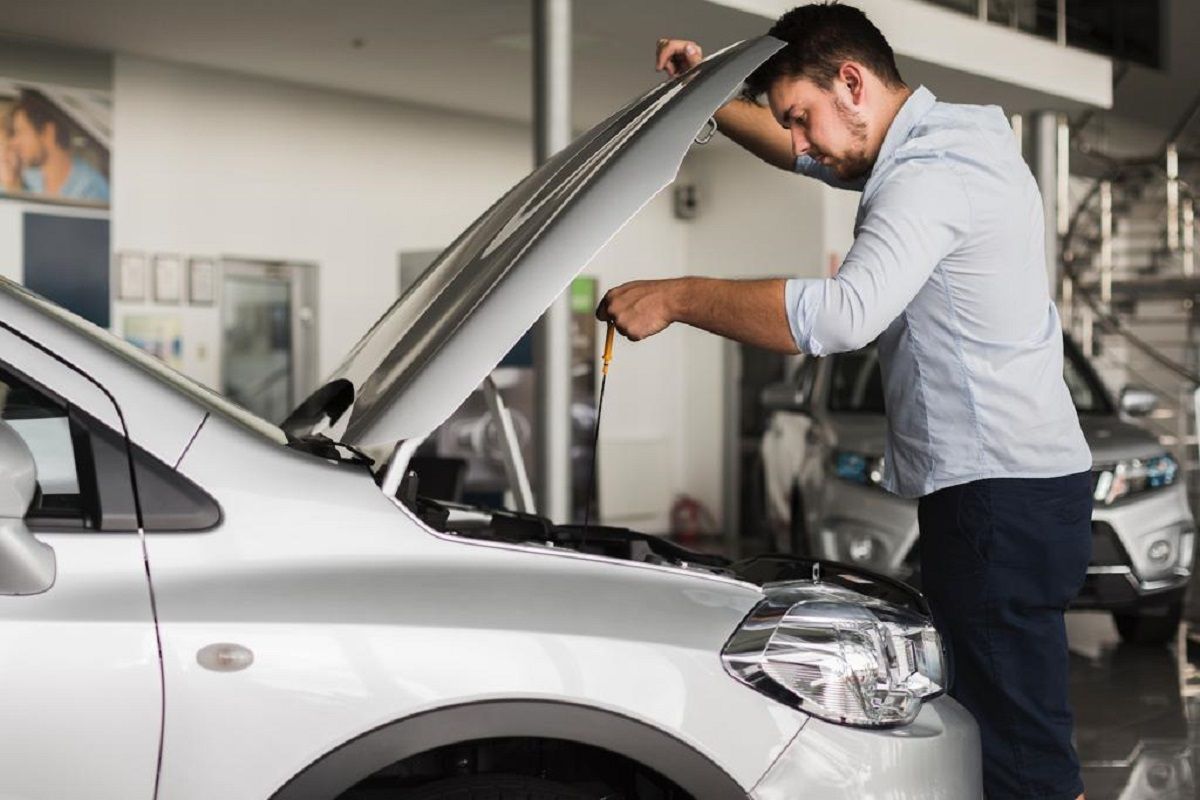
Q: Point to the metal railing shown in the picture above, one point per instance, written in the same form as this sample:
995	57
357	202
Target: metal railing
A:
1115	28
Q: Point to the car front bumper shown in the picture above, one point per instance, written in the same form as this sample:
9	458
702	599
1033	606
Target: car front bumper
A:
1125	572
937	757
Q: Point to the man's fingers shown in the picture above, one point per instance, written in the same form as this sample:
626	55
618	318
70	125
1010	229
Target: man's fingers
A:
674	56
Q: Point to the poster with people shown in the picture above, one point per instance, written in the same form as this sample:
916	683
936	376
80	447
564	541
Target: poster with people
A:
54	143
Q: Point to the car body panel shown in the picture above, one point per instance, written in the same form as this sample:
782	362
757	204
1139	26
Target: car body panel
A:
445	334
935	758
357	616
80	696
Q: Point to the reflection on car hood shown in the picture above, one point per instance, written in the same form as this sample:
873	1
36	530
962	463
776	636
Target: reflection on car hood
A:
443	336
1110	438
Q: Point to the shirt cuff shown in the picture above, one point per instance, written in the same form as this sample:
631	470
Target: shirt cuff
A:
799	294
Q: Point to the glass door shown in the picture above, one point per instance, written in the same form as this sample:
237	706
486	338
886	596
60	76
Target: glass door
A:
268	335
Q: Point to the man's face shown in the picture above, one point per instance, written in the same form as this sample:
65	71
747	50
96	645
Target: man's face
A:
824	124
28	142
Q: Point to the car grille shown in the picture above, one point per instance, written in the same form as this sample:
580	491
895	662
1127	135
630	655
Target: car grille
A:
1107	550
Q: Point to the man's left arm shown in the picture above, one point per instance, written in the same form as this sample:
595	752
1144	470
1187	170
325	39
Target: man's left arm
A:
917	218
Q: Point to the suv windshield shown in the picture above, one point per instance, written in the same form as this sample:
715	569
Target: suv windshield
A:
856	383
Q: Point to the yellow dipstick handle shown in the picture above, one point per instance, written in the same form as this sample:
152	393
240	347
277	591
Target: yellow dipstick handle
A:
608	345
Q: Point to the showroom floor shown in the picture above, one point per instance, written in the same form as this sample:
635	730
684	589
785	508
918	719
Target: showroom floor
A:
1137	713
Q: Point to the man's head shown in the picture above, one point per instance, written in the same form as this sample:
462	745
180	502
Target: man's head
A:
37	127
835	86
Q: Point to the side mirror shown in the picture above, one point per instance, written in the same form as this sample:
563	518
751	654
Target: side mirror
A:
26	565
782	396
1138	402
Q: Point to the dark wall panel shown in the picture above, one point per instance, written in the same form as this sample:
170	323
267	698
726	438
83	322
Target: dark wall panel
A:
67	261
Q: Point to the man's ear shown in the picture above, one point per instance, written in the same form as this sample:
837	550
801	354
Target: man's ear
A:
852	75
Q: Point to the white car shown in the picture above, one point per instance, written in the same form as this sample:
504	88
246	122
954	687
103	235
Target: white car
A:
195	603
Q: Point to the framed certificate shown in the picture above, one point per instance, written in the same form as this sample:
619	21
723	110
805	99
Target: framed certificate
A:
202	281
131	276
168	279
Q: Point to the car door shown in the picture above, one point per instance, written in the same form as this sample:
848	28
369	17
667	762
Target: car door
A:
80	685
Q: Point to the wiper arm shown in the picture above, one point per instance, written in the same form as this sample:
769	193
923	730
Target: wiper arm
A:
320	445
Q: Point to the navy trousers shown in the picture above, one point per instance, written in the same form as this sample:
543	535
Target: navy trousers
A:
1000	560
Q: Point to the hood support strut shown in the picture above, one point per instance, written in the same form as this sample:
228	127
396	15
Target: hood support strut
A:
514	462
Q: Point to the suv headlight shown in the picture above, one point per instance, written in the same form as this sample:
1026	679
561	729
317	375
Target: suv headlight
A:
1132	476
858	468
838	655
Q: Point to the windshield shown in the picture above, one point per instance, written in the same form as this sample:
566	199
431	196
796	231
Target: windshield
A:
156	369
856	382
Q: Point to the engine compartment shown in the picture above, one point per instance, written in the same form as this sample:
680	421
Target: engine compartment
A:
514	527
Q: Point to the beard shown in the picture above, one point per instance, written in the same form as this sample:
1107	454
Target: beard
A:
855	163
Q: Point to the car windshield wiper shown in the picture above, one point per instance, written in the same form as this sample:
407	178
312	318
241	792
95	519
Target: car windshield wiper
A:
320	445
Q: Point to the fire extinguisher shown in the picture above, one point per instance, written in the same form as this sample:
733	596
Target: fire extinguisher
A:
690	519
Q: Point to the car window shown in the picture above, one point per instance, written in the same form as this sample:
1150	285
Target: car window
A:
856	383
43	424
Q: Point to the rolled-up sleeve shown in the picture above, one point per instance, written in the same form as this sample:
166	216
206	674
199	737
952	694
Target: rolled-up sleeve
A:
918	217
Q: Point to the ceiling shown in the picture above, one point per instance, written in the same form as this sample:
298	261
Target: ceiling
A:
465	55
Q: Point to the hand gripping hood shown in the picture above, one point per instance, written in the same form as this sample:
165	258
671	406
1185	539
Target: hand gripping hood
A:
445	334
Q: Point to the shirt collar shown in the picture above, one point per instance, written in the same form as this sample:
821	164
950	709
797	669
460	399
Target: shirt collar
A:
913	111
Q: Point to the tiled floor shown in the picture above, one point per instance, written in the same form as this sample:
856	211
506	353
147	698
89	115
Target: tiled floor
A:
1137	713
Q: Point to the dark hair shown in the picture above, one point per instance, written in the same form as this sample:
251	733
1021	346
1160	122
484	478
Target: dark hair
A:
820	38
40	112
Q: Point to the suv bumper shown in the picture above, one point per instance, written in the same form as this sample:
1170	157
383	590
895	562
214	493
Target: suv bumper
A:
935	758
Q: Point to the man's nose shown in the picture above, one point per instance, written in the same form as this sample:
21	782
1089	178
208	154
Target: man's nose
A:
800	143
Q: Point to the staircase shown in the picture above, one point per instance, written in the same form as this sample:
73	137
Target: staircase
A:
1131	282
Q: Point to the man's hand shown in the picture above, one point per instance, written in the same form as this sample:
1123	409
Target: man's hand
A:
748	124
745	311
639	309
676	56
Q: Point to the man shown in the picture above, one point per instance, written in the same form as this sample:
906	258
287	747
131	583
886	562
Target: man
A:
948	272
40	147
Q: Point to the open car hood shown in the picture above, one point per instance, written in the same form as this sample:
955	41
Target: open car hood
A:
448	330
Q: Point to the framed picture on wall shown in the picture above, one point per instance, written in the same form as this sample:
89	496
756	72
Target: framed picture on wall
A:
131	276
168	278
202	281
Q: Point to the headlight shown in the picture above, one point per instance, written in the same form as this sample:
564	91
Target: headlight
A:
1132	476
858	468
838	655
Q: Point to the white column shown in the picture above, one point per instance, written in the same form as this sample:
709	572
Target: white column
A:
552	341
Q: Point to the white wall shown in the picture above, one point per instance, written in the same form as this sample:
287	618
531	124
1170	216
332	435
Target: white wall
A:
212	163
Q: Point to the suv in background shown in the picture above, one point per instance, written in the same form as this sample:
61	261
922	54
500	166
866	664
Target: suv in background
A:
822	456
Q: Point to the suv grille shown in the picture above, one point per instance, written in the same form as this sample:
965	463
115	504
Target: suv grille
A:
1107	550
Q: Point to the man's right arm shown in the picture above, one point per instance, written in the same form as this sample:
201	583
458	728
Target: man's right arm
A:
743	121
753	127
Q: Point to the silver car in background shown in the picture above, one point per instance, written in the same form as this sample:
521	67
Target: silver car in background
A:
822	454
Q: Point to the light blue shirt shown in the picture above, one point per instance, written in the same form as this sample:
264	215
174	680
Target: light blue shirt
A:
83	182
948	270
